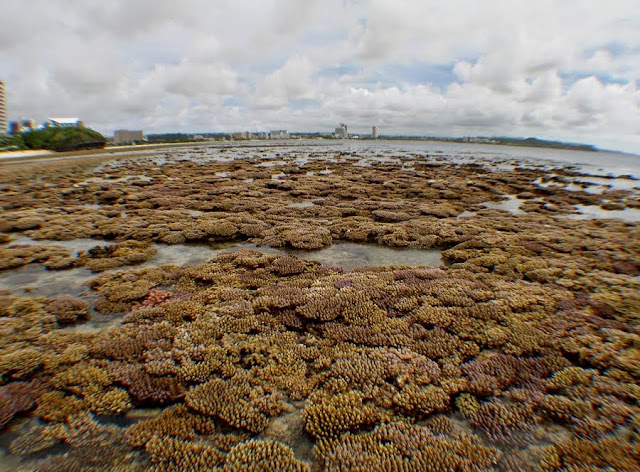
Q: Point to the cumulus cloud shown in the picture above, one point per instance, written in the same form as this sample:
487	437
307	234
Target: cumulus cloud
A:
563	70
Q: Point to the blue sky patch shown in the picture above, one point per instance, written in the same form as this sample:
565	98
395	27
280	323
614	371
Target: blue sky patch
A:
438	76
570	78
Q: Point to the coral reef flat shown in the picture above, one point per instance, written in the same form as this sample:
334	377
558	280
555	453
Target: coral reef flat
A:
357	306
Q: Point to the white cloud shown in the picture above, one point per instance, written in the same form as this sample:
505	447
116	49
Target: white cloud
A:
564	70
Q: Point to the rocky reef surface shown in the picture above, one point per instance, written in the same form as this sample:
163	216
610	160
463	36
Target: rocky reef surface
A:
520	352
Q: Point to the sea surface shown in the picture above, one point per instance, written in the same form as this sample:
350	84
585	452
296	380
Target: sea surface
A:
600	163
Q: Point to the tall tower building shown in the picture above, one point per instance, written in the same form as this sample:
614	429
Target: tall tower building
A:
341	131
374	132
3	110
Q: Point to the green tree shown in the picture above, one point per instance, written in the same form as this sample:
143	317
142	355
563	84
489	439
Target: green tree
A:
64	139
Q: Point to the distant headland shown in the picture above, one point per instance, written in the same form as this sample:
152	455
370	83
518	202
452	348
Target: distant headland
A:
503	141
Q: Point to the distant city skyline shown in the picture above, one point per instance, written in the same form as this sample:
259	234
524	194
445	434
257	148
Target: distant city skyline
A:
565	71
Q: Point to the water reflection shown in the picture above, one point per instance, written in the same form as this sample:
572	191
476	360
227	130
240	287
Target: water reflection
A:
345	255
35	280
512	205
74	245
595	212
353	255
196	254
303	204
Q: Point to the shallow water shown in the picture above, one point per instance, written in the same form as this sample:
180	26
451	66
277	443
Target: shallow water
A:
595	212
303	204
589	184
352	255
194	254
35	280
512	205
74	245
109	180
272	163
616	184
342	254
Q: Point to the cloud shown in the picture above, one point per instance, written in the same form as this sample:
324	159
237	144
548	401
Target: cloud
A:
564	70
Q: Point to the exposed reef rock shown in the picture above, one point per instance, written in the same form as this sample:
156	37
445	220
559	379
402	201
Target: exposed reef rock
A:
522	353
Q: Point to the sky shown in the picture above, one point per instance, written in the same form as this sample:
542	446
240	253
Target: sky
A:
565	69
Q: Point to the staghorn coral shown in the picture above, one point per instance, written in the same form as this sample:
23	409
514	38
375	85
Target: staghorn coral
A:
68	309
172	310
35	439
169	454
223	228
331	416
52	257
287	265
143	387
21	363
504	422
101	258
276	298
257	455
323	306
405	363
399	446
467	404
234	401
82	378
298	237
421	401
16	398
63	462
176	422
56	407
568	377
154	298
561	408
112	401
94	444
356	370
579	454
493	374
440	425
117	293
354	306
130	342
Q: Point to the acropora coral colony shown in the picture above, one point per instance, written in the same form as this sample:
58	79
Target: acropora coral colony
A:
521	353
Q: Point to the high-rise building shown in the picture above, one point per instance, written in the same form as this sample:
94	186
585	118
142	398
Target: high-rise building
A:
374	132
341	131
17	127
125	136
3	110
279	134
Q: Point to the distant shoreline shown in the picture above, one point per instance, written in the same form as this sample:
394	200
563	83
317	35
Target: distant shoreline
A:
501	141
39	154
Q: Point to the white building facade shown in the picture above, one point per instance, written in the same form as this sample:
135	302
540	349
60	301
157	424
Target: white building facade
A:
3	110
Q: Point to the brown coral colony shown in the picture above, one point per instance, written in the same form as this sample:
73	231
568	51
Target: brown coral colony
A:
519	352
